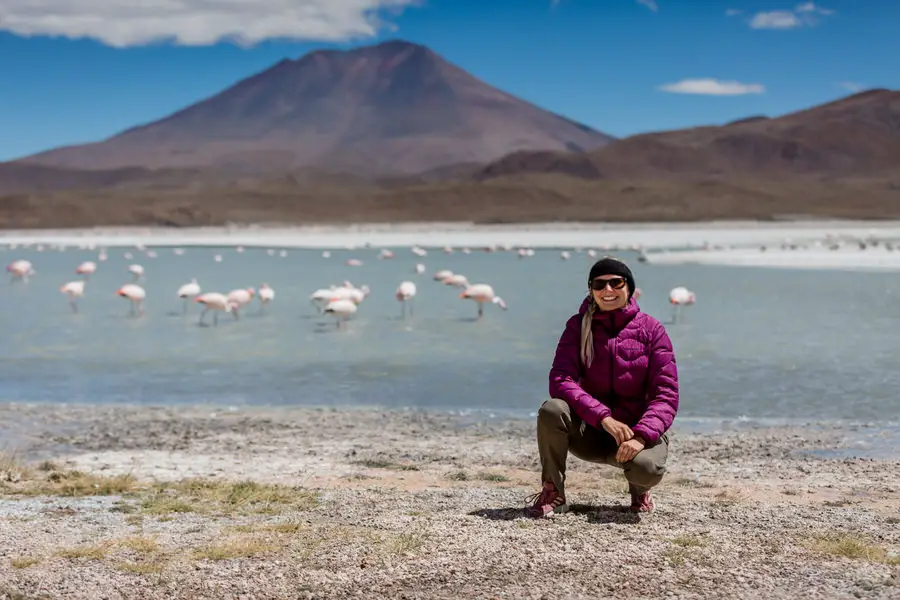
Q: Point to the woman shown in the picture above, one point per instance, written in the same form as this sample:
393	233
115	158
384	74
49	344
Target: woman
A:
613	389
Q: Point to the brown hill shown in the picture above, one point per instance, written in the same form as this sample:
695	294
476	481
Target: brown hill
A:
856	135
393	108
839	160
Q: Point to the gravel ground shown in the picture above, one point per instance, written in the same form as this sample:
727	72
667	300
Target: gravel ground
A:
428	505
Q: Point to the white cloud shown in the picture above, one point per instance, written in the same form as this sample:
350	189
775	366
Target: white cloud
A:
651	4
733	12
811	7
776	19
713	87
850	86
122	23
803	15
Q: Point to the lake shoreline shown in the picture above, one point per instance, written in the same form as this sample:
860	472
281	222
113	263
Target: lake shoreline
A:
461	234
421	504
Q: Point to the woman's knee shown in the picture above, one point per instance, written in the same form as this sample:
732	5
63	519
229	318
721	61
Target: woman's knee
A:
645	471
553	410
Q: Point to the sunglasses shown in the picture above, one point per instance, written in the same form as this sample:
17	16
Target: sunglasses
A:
617	283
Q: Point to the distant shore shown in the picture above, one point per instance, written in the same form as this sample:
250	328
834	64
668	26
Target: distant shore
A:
461	234
205	502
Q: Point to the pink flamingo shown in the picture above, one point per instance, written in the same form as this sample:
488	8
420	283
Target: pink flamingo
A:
87	268
216	302
73	289
481	293
678	297
266	295
136	295
20	270
404	294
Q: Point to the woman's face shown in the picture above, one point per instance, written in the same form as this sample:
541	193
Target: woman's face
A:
610	291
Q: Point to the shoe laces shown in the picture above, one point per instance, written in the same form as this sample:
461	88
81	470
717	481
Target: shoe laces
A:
547	495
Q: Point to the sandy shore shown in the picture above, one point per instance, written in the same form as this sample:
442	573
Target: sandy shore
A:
403	504
535	235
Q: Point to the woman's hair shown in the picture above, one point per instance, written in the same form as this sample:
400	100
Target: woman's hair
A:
587	336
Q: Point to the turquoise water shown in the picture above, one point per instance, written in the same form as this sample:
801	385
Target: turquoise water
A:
760	344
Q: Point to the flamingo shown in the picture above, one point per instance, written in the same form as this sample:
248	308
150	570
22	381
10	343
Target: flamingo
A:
20	270
404	294
216	302
188	291
385	253
456	280
87	268
442	275
678	297
565	255
419	268
73	289
321	297
266	295
240	298
137	271
419	251
342	309
353	262
481	293
136	295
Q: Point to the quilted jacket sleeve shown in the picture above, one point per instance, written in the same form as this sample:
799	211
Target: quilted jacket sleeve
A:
662	388
566	373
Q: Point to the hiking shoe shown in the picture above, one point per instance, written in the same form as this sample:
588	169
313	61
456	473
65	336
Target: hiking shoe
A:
640	501
546	503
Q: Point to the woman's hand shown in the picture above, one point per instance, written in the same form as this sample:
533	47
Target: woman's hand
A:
629	450
617	429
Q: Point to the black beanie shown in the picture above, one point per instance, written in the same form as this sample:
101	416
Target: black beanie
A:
612	266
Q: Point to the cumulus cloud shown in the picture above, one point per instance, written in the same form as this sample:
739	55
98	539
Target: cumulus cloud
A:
651	4
803	15
122	23
713	87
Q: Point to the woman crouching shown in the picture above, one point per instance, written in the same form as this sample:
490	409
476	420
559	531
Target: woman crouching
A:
614	392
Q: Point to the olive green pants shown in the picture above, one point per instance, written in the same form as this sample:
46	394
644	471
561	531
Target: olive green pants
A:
560	431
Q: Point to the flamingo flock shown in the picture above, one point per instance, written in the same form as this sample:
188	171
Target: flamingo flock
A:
341	302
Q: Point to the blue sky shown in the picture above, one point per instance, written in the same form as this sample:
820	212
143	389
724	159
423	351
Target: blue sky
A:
86	70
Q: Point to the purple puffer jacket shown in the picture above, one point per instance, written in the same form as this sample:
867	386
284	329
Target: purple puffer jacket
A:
632	377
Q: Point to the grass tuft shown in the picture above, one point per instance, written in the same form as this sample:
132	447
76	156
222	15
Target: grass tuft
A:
846	545
688	541
488	476
88	551
406	543
382	463
212	496
236	548
24	562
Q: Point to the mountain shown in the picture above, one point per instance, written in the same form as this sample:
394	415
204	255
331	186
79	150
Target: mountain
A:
853	136
836	160
392	108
